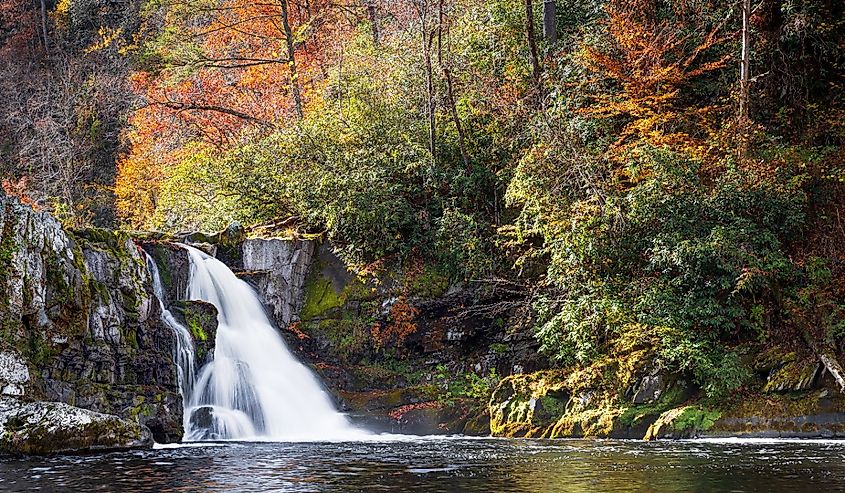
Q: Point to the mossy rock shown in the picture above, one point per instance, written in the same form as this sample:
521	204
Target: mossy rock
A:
53	427
200	318
326	292
793	376
387	400
683	422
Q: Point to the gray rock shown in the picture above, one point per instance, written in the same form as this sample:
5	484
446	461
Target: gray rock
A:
650	388
52	427
284	266
80	325
14	375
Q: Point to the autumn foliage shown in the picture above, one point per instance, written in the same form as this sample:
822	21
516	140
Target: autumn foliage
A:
401	324
649	65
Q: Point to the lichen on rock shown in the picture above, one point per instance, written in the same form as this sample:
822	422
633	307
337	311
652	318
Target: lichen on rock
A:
53	427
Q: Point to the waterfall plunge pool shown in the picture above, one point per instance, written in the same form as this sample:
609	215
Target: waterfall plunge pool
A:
444	464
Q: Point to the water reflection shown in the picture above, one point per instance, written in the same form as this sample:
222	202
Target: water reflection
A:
445	465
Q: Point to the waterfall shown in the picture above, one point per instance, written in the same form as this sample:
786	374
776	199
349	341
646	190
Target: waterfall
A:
254	387
183	352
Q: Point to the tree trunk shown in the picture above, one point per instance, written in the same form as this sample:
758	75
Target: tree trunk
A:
450	94
372	14
294	79
745	64
44	26
532	43
835	369
454	110
549	26
432	105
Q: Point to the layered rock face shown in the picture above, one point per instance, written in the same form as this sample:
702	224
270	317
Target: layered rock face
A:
407	354
77	312
278	269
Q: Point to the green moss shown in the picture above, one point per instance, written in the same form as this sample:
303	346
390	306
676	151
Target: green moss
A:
633	415
131	338
320	297
196	329
7	249
39	351
695	418
682	422
160	254
792	376
499	349
431	283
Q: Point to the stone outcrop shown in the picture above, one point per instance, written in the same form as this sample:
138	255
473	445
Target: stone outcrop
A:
348	330
200	318
55	427
789	398
78	311
278	269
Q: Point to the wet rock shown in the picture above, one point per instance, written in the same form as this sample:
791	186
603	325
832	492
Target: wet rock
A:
14	374
202	417
200	318
173	267
53	427
78	313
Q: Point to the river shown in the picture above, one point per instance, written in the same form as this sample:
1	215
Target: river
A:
433	464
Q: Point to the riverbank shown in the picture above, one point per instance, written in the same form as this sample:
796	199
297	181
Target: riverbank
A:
400	348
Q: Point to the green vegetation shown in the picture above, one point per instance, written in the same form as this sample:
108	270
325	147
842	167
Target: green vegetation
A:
645	203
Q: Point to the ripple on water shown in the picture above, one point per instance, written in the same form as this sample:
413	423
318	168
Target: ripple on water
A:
403	463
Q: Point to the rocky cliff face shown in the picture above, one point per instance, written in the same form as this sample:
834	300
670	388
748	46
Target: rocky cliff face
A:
278	269
78	314
405	353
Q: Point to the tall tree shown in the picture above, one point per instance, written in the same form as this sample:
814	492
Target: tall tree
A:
549	25
291	47
445	65
532	42
428	31
44	26
745	62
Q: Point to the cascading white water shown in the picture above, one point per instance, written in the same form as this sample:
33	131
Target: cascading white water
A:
183	353
254	388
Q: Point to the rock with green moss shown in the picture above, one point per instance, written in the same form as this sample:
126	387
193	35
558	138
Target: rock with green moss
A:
683	422
55	427
173	268
589	401
200	318
77	309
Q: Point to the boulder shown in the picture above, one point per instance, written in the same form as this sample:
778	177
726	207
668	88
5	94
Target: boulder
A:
55	427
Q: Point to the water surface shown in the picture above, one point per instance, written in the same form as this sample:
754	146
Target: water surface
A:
445	465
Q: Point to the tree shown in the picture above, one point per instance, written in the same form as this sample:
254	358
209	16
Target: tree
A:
291	60
650	62
446	66
532	43
549	25
745	63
